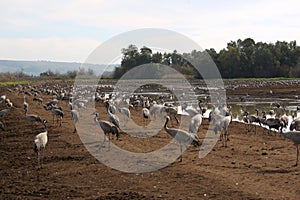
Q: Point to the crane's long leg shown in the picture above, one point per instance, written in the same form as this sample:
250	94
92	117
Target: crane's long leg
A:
297	155
176	119
221	135
180	152
225	138
38	159
42	155
104	139
109	141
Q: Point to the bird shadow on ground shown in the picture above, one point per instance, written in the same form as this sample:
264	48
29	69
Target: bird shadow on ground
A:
277	171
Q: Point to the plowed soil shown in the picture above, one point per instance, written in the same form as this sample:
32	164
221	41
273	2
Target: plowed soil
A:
253	166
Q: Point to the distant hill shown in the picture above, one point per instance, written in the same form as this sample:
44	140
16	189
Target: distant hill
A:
36	67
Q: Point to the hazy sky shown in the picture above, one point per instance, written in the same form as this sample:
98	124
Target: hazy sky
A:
71	30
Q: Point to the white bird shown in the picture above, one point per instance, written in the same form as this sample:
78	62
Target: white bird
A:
182	136
294	136
40	142
25	104
146	115
2	98
221	124
75	118
195	123
191	111
155	110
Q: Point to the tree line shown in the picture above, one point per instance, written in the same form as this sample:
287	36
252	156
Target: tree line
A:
240	59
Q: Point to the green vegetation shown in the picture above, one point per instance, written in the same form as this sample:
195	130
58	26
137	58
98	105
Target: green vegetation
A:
14	82
261	79
240	59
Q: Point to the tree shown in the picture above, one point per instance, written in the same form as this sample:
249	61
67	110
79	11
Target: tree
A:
49	72
247	48
230	63
144	57
157	57
241	58
90	72
72	74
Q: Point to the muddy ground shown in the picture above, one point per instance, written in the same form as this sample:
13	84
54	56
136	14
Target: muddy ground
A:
253	166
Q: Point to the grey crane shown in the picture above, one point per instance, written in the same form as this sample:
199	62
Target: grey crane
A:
284	119
274	123
249	119
107	127
110	107
38	99
126	112
172	111
40	142
294	136
2	128
33	118
4	112
182	136
295	125
113	118
58	113
8	103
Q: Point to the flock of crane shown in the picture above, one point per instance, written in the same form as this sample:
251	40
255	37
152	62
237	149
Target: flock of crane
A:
219	116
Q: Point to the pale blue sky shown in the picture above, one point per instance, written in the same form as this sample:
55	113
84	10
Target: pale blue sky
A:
71	30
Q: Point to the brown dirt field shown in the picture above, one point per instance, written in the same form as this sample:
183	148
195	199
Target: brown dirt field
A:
253	166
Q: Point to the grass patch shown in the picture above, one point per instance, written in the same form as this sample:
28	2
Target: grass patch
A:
261	79
14	82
